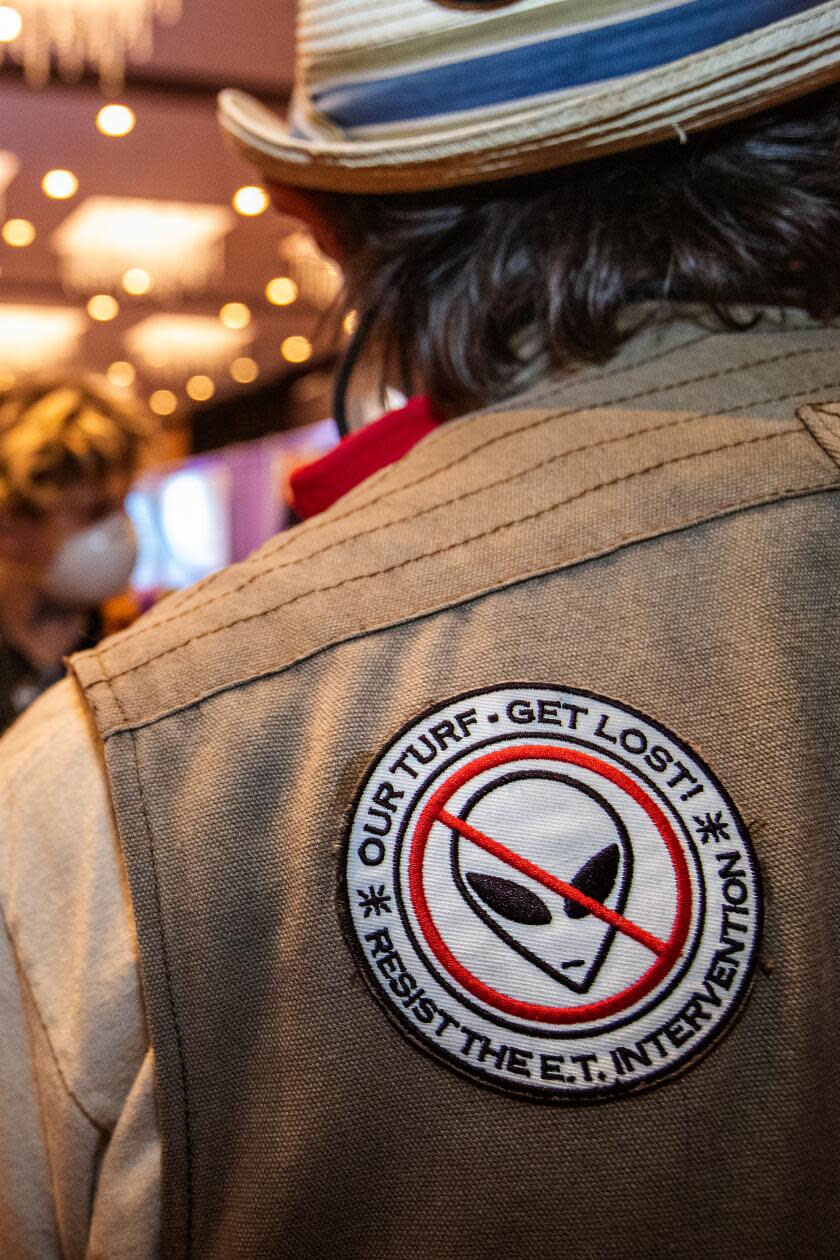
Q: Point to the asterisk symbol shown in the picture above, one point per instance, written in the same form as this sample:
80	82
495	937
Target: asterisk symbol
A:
374	901
712	827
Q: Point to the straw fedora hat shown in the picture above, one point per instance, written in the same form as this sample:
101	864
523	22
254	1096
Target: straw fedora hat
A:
405	95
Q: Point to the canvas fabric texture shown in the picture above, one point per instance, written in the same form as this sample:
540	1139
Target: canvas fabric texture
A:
664	532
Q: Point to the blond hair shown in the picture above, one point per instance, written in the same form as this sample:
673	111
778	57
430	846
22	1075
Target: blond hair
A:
55	436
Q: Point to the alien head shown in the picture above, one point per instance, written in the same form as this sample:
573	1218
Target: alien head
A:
571	831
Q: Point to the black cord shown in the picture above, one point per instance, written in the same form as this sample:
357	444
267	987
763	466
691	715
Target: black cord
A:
345	370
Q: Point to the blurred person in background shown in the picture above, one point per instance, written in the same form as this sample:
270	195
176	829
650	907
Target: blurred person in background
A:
505	788
68	453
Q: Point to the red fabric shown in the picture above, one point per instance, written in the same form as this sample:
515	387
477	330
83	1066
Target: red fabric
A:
318	485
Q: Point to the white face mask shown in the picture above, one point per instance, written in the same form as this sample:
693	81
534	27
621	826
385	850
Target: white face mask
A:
94	564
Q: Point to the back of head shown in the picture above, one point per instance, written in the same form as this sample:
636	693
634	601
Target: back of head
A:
58	436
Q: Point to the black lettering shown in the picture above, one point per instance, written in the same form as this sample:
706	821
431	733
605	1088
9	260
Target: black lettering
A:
470	1039
637	1057
402	764
405	985
695	791
659	758
520	711
446	1021
602	732
381	940
575	710
386	822
425	1011
517	1061
633	740
694	1015
390	962
465	719
653	1038
433	752
488	1051
584	1060
676	1033
733	886
444	733
727	863
728	955
683	772
548	711
371	852
728	925
551	1067
618	1063
386	794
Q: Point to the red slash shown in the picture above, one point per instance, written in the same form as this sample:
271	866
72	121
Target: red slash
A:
521	864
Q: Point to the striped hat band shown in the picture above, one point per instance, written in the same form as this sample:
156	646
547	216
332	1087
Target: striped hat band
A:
414	94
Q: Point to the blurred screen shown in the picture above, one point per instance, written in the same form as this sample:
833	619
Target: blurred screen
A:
214	509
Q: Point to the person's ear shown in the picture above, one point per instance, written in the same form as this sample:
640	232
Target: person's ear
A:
321	213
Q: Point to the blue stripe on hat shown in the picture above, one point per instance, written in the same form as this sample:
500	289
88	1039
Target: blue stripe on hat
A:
551	65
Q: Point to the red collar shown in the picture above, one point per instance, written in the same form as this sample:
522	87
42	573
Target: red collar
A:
318	485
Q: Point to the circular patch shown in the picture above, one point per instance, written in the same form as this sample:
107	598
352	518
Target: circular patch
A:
550	892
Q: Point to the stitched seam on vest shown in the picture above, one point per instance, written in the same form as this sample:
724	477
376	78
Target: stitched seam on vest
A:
598	553
181	612
165	960
284	541
531	516
100	1127
820	409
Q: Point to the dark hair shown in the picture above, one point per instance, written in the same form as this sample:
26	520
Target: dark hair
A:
448	284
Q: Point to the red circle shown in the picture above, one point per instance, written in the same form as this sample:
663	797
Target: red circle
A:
529	1010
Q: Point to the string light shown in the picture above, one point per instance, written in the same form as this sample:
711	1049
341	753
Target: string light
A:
350	322
60	184
200	388
116	120
250	200
137	281
102	307
281	291
10	24
163	402
18	233
296	349
244	370
121	374
235	315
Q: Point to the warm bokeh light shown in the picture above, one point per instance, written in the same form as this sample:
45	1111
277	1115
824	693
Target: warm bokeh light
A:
163	402
137	281
60	184
10	24
18	233
115	120
121	374
7	380
103	307
296	349
244	370
235	315
281	291
250	200
200	388
350	322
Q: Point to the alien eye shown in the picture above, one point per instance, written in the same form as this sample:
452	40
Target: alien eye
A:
596	878
510	900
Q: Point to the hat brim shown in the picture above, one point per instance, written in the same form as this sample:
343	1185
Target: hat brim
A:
738	78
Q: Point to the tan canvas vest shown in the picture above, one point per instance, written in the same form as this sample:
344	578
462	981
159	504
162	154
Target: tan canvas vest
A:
664	533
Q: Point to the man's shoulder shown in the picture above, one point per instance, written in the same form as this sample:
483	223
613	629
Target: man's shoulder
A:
553	480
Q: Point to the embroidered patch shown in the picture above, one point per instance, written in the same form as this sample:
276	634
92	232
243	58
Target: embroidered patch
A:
551	892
